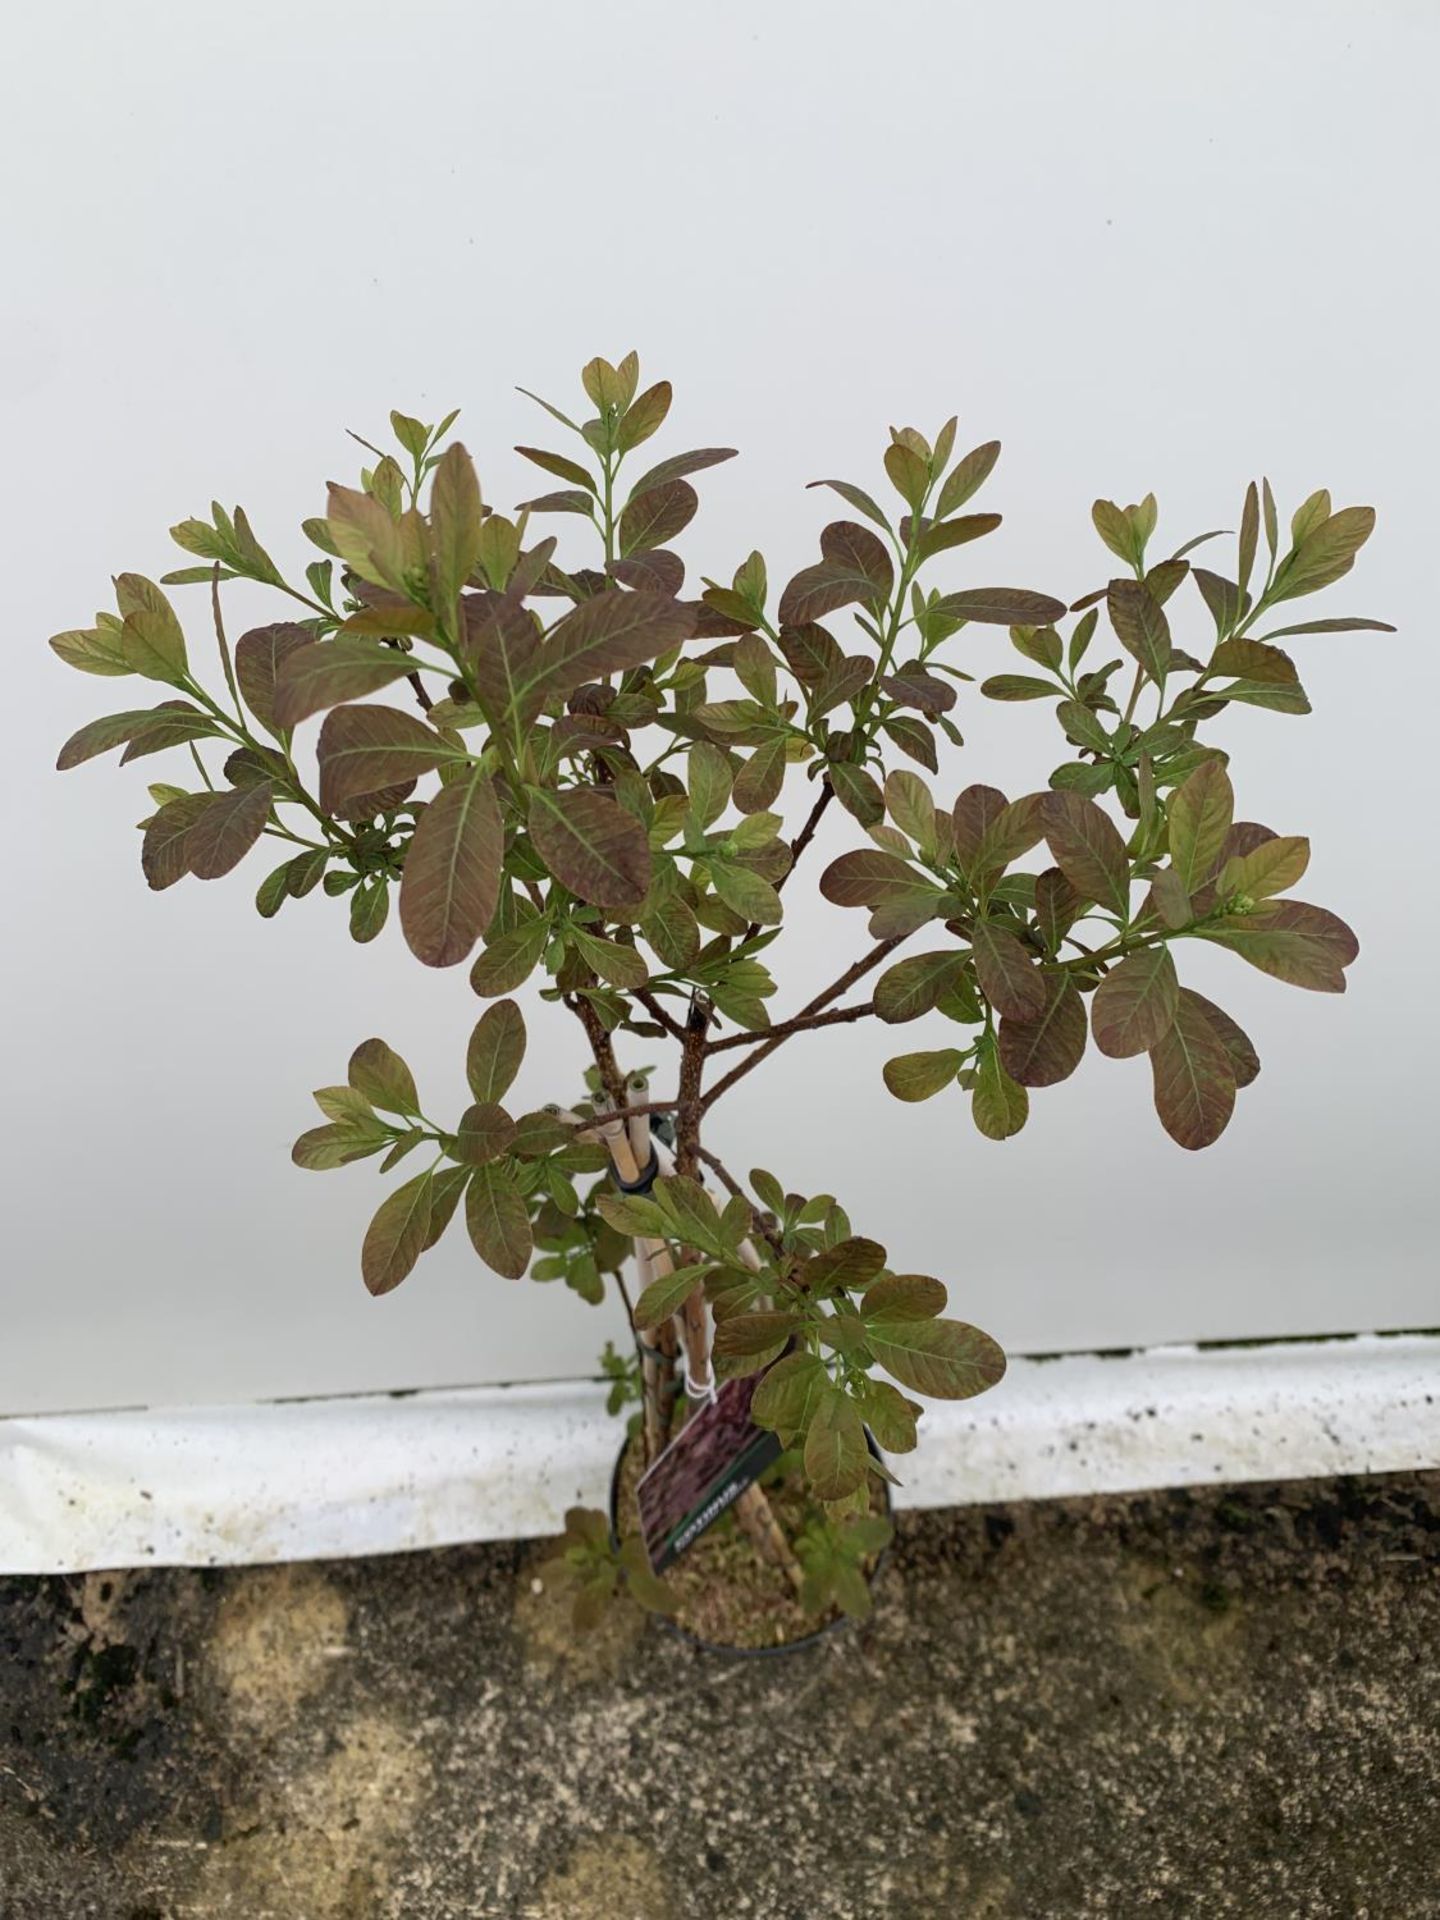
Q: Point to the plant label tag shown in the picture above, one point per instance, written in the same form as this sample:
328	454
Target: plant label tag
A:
716	1455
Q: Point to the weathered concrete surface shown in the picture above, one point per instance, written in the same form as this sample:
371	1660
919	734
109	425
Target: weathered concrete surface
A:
1208	1704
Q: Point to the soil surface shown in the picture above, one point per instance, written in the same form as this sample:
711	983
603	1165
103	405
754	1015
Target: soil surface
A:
1205	1703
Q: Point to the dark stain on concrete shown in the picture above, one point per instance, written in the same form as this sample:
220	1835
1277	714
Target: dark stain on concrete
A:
1206	1703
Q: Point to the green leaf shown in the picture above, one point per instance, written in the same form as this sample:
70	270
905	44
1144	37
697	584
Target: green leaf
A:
395	1238
1194	1080
369	909
362	750
851	1263
496	1049
1008	973
1201	810
1325	554
643	416
1251	661
378	1072
913	986
918	1076
668	1294
857	498
455	524
485	1132
1018	686
558	464
510	958
942	534
1088	850
999	1106
116	729
1115	530
943	1358
786	1399
152	642
653	518
451	882
1304	945
904	1296
1140	626
620	965
498	1221
323	1149
676	465
888	1414
752	1337
96	649
1046	1050
858	792
591	845
836	1457
673	931
225	830
710	780
1270	868
759	781
1331	626
966	478
746	893
633	1215
1135	1003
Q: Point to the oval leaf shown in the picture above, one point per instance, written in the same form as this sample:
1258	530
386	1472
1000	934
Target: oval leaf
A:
451	882
1135	1003
227	828
498	1221
1194	1080
395	1238
591	845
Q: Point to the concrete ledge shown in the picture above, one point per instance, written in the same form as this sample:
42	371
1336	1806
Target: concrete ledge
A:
320	1479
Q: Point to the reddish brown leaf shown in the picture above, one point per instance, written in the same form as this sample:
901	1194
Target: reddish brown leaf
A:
259	656
363	749
1009	977
1135	1003
1044	1051
227	828
1194	1079
451	881
591	845
1088	850
1305	945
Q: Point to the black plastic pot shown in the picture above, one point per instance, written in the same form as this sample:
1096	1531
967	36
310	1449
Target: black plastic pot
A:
750	1653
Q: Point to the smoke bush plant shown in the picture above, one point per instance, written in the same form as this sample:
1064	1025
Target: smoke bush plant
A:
608	756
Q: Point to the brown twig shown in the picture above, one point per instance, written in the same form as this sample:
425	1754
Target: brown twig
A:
600	1046
800	1024
692	1067
799	844
807	832
847	979
653	1007
717	1166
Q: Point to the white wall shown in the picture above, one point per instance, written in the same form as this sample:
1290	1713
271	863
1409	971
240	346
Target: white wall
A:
1147	246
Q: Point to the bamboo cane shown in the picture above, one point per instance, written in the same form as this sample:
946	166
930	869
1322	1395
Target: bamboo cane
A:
657	1362
753	1509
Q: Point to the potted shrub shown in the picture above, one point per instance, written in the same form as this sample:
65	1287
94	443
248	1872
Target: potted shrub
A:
604	751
